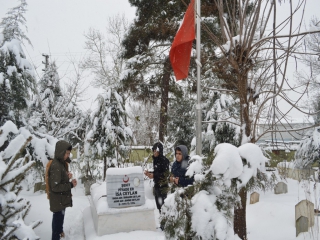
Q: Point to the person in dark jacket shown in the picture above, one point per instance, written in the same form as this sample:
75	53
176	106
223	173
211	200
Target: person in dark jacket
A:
60	187
159	175
179	167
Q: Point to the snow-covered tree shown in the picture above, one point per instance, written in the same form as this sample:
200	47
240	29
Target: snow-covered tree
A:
205	210
181	119
15	162
144	122
148	75
220	121
54	111
16	73
308	151
108	136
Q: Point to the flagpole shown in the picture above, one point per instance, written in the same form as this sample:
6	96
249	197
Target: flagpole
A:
198	105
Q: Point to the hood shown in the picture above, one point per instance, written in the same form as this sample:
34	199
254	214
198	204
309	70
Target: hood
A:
184	151
61	148
159	147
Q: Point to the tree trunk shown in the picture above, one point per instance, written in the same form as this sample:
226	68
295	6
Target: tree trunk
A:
164	100
104	168
240	224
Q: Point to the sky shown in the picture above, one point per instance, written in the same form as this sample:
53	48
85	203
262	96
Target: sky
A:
57	27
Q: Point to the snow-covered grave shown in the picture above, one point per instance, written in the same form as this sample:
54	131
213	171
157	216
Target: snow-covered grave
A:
125	207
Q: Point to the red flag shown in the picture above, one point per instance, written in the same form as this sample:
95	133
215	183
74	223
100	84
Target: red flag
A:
180	51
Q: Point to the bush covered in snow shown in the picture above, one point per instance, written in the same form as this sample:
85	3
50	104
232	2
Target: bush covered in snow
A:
15	161
205	210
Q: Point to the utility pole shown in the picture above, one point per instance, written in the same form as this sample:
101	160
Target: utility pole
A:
46	63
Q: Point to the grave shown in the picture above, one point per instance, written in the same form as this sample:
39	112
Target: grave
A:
305	208
301	225
254	198
120	205
280	188
39	186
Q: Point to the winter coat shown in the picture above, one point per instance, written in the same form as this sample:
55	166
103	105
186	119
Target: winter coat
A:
179	169
161	168
59	185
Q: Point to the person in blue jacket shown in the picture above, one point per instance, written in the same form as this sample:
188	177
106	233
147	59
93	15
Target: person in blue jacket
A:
179	167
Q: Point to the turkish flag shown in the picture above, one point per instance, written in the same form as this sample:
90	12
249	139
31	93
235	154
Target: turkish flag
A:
180	51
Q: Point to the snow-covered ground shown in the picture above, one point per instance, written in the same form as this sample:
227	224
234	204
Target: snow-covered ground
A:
272	218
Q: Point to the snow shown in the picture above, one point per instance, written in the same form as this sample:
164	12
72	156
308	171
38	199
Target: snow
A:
316	137
1	78
206	216
271	218
252	153
6	129
227	161
11	69
14	46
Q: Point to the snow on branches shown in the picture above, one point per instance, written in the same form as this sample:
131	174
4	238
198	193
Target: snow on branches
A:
15	161
308	151
206	209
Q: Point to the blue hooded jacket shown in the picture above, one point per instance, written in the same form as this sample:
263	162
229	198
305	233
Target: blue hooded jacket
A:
179	169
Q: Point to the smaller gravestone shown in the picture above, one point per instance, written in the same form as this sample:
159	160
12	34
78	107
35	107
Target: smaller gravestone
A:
301	225
39	186
254	198
280	188
305	208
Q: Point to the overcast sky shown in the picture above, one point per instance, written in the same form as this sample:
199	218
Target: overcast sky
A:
57	27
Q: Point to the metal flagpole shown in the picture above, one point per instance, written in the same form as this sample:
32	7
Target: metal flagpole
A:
198	105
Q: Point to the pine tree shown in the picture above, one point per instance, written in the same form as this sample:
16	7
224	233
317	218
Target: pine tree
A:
107	135
15	162
16	73
221	113
148	75
181	119
54	112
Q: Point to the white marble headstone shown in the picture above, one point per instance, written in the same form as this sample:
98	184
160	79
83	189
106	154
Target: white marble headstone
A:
125	187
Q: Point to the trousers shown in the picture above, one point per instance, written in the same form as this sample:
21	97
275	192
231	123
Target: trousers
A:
160	194
57	224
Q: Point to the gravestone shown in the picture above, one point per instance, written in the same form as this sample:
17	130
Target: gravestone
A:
254	198
125	187
39	186
280	188
305	208
124	208
301	225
